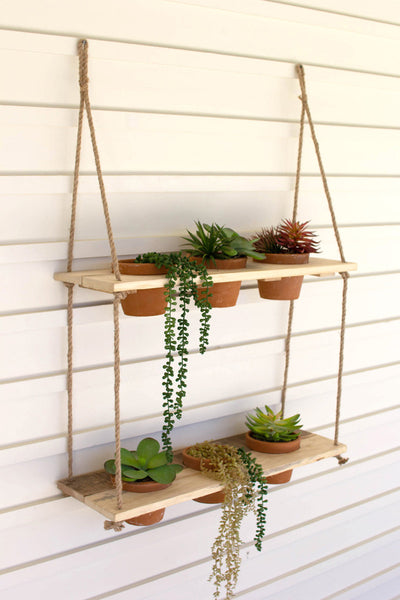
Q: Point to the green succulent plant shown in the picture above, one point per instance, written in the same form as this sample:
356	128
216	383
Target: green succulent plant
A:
144	463
180	289
245	491
270	427
289	237
216	241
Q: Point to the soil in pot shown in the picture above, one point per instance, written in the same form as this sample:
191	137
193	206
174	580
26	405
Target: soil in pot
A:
287	288
226	294
143	487
143	303
194	463
274	448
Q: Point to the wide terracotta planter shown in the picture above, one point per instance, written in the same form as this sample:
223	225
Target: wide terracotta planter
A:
143	303
143	487
226	294
274	448
193	462
287	288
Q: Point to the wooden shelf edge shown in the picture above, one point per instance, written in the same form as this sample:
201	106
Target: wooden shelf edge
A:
96	491
103	280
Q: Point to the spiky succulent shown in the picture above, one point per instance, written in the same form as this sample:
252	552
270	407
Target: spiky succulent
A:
146	462
215	241
289	237
266	241
270	427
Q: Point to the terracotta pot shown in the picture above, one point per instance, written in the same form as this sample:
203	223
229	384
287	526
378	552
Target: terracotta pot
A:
143	487
194	463
287	288
223	294
274	448
143	303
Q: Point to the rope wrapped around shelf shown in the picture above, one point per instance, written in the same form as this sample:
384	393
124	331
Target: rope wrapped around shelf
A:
85	105
305	110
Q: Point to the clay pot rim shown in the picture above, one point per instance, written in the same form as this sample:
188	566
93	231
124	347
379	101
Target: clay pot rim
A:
197	459
249	433
145	485
288	258
219	262
268	447
131	264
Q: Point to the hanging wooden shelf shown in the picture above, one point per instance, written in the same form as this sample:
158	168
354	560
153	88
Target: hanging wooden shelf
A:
95	489
103	280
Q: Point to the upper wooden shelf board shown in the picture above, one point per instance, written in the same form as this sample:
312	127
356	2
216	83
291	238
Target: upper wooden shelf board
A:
95	489
104	280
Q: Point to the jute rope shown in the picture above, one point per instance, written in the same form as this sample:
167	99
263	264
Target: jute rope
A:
85	104
116	525
291	304
117	419
305	110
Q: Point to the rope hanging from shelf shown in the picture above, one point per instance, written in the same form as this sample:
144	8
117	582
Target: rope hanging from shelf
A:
305	110
85	105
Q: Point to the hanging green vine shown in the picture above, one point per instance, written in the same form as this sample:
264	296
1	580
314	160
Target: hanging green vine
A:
242	478
180	289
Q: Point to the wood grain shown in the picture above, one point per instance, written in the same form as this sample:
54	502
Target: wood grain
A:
106	282
95	490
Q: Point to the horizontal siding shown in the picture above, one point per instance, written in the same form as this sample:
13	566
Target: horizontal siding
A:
196	109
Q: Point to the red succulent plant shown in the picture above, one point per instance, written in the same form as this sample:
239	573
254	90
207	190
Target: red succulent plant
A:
295	238
289	237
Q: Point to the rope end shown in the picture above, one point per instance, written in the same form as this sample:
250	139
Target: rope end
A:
116	525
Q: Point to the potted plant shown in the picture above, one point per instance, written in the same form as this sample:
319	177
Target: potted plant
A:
271	434
146	469
287	244
219	247
179	290
154	301
241	477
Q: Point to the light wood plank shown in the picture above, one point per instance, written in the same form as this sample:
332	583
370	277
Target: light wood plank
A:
106	282
94	490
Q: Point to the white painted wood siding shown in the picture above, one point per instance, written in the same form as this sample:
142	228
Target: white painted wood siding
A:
196	108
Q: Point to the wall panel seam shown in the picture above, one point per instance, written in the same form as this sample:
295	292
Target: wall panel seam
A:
161	525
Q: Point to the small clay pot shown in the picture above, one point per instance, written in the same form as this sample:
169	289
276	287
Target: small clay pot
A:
142	487
274	448
143	303
287	288
193	462
150	518
226	294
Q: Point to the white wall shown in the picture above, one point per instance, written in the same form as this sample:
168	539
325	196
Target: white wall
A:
196	111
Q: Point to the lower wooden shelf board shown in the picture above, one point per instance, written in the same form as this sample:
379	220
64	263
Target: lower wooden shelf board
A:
104	280
95	489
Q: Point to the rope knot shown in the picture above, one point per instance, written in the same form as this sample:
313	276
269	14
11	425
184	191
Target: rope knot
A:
116	525
341	459
122	295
